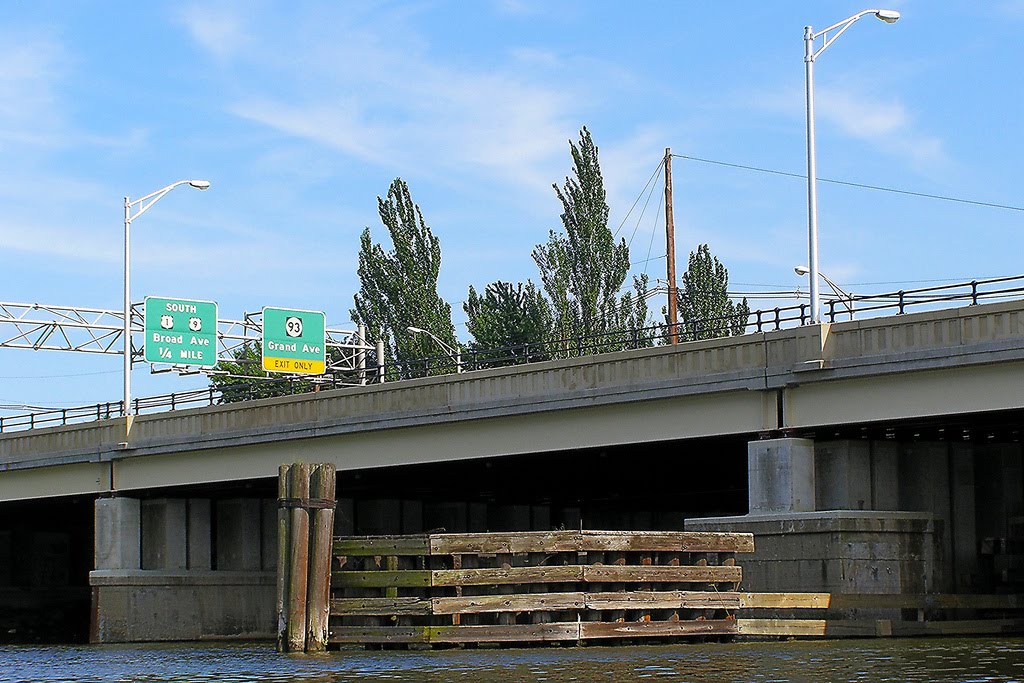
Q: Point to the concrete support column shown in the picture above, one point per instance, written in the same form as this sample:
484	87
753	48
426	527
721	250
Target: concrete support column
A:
780	475
200	540
885	475
477	518
412	517
118	542
378	516
999	477
164	528
268	534
508	518
924	487
963	532
238	534
452	516
842	475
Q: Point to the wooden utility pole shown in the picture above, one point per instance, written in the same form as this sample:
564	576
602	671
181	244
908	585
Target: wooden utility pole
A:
670	251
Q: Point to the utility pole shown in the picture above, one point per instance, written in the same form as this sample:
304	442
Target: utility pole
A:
670	250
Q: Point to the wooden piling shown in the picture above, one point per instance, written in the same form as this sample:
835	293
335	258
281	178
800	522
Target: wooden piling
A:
298	492
322	486
283	557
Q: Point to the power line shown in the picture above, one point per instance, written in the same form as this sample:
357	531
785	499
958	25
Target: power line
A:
879	188
638	198
81	374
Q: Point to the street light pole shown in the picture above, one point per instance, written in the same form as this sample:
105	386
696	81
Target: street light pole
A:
455	353
842	294
810	54
143	204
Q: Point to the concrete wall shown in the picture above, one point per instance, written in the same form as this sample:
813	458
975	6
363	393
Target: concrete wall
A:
884	516
162	573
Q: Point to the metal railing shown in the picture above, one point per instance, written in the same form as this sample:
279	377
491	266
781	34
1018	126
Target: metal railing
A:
834	310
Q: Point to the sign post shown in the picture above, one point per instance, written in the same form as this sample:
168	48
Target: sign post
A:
181	332
294	342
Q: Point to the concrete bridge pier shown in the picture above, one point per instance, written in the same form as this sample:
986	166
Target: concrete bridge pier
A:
183	569
880	516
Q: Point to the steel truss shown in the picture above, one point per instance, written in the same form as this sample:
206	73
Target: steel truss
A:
93	330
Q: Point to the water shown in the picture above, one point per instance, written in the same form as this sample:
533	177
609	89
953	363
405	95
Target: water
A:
936	659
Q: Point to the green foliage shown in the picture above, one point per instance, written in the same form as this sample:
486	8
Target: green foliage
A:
704	308
247	380
398	288
507	317
582	269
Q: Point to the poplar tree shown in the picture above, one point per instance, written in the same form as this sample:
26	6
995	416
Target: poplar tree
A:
509	323
398	288
583	268
704	307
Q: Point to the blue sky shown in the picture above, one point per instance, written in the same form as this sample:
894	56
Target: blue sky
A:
301	113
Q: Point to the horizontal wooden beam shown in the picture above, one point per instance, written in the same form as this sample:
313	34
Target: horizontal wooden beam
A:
524	633
587	541
414	578
363	546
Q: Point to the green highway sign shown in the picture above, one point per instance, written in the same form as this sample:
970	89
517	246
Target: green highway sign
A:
294	341
181	332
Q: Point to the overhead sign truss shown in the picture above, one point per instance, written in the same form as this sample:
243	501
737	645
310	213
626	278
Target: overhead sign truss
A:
93	330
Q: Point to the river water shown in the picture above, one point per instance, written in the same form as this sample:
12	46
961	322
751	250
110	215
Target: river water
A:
934	659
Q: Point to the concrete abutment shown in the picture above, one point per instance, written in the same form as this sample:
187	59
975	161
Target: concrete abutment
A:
884	517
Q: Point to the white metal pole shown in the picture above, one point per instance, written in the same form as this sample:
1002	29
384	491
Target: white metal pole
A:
127	319
812	191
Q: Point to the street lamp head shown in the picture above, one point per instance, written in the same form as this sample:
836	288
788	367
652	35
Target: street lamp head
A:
889	16
801	270
200	184
414	329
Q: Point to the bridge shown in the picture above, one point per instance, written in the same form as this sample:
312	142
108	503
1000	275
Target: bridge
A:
905	427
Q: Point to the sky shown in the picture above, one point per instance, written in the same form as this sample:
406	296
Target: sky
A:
300	114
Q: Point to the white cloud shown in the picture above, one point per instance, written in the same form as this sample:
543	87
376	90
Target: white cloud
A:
29	71
860	116
218	30
884	123
370	88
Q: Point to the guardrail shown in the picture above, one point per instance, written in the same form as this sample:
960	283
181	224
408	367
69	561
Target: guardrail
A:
764	320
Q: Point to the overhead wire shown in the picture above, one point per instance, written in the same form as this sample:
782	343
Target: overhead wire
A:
638	197
847	183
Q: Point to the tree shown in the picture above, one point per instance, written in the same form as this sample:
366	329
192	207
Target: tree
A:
705	309
398	288
246	379
583	269
509	323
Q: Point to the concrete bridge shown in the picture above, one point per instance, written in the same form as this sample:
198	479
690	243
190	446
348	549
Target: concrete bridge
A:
908	424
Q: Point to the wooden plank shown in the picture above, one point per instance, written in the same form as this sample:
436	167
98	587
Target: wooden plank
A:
504	543
403	606
610	541
661	541
418	544
379	634
648	600
512	633
656	574
786	600
409	578
523	602
656	629
781	627
497	576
